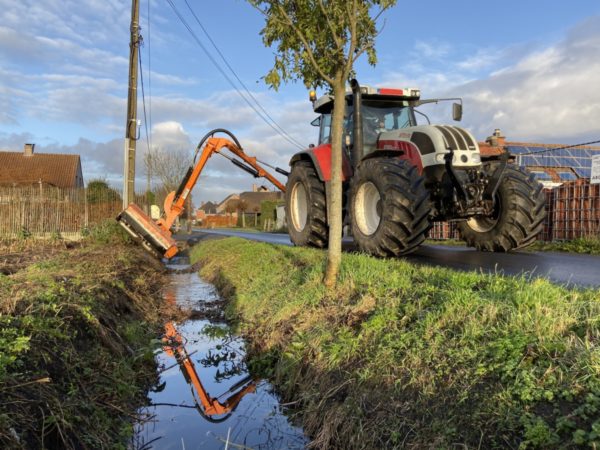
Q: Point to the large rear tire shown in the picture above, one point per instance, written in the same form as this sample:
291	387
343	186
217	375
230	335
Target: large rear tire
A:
306	206
518	216
389	207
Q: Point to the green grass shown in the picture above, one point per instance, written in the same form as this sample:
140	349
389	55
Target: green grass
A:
75	345
408	356
587	245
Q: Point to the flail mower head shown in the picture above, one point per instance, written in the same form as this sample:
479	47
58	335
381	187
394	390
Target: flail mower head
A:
143	229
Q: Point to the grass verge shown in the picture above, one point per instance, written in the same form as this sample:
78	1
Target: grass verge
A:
587	245
76	331
415	357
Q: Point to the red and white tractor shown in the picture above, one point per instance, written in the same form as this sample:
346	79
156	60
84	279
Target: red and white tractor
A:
399	177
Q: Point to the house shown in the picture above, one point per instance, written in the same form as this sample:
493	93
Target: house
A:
228	203
551	164
252	200
27	168
208	208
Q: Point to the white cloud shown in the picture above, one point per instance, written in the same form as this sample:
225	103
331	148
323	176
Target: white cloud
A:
550	95
431	50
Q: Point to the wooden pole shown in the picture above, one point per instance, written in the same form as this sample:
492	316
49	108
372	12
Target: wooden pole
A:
131	124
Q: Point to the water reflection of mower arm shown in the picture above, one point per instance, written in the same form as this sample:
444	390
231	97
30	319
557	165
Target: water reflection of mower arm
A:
208	406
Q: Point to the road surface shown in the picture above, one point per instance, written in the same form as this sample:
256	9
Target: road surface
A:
562	268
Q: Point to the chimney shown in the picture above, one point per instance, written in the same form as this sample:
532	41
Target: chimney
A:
496	139
254	188
28	149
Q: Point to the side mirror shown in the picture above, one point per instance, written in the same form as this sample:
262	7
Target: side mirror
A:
456	111
316	122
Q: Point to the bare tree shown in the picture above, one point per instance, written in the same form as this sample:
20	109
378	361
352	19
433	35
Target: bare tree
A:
256	210
243	207
168	165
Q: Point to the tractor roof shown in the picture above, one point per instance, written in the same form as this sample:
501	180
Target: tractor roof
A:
324	103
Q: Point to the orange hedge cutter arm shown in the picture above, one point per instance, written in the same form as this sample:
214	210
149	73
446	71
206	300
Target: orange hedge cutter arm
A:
156	236
175	201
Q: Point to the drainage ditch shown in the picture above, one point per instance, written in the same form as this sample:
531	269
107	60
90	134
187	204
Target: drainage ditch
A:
205	397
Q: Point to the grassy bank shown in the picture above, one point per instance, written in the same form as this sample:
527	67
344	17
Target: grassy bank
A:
585	245
76	326
417	357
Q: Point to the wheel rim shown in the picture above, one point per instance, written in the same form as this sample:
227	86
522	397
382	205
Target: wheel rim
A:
367	205
483	224
299	206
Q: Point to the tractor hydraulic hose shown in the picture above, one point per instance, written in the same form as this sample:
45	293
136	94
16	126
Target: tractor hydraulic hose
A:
357	129
213	132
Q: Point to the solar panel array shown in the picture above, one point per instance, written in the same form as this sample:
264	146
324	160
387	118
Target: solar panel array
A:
580	159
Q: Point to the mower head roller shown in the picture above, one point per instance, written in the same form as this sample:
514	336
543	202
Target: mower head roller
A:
144	230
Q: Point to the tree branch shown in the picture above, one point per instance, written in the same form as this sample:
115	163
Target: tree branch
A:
336	38
309	51
352	22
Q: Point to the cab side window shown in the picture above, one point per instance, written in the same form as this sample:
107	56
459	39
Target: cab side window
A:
325	133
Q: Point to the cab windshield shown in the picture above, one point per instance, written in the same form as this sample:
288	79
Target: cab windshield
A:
379	118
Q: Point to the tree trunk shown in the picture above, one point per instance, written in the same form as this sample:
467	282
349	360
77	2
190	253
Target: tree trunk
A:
334	253
243	219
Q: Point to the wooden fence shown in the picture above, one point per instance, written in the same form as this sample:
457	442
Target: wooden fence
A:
43	211
46	211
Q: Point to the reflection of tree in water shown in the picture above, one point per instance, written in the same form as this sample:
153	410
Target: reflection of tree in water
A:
227	356
228	363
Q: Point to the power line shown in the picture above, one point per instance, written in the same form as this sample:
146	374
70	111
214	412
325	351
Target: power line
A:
144	101
547	150
207	34
149	76
220	69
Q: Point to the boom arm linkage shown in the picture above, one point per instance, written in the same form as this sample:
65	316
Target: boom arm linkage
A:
156	236
175	201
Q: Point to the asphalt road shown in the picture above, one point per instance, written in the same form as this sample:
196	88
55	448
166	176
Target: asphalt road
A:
563	268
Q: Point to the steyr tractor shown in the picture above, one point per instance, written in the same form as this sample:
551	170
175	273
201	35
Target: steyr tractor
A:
400	177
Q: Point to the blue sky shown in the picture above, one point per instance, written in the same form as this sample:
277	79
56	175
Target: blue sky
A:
531	68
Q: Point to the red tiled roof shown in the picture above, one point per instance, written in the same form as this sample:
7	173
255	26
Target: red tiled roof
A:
54	169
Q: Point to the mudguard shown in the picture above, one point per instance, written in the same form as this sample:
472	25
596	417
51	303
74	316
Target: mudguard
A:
321	158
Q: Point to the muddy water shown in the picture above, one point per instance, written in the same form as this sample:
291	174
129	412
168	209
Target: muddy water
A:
205	398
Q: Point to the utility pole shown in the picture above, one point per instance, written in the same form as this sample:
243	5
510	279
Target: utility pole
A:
131	124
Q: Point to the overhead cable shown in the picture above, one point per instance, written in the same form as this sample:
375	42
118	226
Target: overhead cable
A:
144	101
207	34
220	69
149	76
547	150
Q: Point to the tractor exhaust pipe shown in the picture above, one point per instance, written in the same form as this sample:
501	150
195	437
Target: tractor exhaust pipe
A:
357	130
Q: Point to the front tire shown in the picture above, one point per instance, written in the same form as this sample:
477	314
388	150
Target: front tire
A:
518	216
306	206
389	207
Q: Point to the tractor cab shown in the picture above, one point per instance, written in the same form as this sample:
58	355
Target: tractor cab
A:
383	110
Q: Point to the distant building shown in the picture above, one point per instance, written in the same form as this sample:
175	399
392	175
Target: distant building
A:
222	207
254	199
27	168
208	208
551	167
